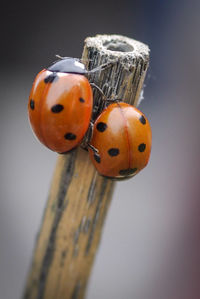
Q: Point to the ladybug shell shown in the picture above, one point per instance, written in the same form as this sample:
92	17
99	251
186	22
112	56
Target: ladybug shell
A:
122	137
60	108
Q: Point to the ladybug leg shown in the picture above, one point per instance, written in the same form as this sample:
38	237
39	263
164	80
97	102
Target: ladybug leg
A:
113	100
101	67
88	136
90	132
106	101
104	97
86	143
94	149
95	153
99	90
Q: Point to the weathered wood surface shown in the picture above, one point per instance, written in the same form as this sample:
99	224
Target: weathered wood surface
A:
79	198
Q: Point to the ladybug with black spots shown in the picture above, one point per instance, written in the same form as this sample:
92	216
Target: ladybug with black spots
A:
121	141
60	105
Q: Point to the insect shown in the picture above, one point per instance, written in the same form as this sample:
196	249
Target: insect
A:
60	105
121	141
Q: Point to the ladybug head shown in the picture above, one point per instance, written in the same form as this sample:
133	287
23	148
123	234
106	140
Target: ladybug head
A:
68	65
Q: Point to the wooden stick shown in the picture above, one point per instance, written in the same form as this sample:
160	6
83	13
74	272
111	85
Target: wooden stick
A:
79	197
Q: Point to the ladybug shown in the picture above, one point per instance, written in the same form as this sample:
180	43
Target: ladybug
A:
60	105
121	141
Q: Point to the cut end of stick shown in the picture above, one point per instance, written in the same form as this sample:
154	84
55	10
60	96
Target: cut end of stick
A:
118	45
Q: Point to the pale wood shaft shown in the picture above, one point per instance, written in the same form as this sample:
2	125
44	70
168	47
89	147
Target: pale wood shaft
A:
79	198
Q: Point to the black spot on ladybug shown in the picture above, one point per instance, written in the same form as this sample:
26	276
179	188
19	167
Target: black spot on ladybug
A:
70	136
127	171
141	147
57	108
113	152
51	78
81	100
142	119
97	158
32	104
101	127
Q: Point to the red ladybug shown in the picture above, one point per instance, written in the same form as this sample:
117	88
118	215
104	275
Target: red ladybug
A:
60	105
121	143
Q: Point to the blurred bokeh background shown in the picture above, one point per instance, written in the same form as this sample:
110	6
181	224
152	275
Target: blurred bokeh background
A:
151	243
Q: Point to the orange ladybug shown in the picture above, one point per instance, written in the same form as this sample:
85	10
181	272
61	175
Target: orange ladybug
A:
121	142
60	105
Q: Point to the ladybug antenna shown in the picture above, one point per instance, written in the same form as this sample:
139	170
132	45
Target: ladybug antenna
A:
65	57
59	57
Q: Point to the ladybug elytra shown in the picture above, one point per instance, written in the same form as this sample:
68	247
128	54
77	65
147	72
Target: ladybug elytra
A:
121	142
60	105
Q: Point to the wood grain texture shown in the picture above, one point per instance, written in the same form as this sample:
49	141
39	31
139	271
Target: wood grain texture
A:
79	198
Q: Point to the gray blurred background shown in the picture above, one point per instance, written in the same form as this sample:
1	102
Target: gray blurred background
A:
151	246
